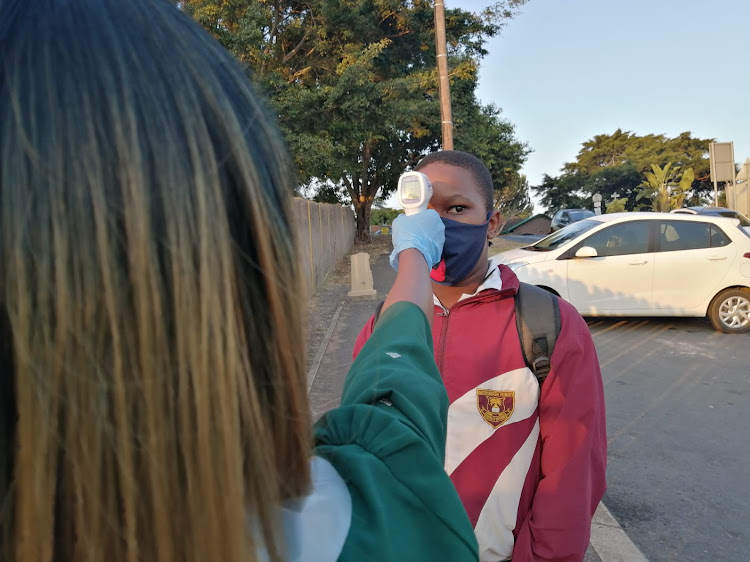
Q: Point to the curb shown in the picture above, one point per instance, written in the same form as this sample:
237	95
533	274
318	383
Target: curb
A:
609	540
313	372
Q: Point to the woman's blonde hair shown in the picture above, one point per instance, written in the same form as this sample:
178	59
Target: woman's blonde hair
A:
151	359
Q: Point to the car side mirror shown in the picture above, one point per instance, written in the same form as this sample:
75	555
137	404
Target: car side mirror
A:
586	252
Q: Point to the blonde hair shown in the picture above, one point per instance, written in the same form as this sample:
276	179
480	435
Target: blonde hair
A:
158	407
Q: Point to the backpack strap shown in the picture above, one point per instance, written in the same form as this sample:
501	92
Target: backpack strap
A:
378	310
538	324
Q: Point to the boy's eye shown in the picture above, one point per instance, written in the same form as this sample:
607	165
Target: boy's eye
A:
457	209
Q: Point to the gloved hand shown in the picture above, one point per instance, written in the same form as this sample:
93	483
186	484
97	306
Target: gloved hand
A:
423	231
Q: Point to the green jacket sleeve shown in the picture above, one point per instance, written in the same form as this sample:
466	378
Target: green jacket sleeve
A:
387	441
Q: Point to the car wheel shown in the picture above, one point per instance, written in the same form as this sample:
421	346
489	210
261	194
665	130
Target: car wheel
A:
730	311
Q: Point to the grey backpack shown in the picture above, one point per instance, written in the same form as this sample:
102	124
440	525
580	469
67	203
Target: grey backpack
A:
538	324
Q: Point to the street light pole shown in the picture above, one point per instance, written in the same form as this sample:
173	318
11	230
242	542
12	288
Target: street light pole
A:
444	83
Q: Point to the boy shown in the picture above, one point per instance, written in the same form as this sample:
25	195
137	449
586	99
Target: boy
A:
528	462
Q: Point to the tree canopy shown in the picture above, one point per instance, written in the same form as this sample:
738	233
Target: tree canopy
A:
355	88
617	167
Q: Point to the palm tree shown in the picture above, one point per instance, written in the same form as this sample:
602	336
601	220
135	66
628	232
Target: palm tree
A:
663	189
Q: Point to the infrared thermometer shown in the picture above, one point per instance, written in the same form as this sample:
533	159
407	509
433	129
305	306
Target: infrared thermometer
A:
414	192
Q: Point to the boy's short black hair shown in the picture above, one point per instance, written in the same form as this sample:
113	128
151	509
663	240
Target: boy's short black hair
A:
468	162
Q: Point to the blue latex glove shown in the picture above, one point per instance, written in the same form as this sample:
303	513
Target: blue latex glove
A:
423	231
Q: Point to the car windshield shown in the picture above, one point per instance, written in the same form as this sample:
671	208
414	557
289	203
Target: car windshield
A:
557	239
580	215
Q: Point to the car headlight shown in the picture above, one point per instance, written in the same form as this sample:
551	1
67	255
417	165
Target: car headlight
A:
516	265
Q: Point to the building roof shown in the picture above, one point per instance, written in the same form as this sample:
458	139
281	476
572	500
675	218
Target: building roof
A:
514	223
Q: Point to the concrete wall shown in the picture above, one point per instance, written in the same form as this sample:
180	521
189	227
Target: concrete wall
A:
325	234
738	197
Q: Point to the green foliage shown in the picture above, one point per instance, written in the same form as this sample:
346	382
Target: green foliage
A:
663	189
513	200
617	205
481	131
354	84
326	194
562	192
384	216
622	147
615	182
616	165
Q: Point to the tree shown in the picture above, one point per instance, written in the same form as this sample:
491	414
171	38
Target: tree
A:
326	194
622	147
483	133
513	199
615	182
563	192
354	82
617	206
616	166
662	188
384	216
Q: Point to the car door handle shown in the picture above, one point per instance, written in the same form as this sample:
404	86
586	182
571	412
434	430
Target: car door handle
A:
717	258
638	262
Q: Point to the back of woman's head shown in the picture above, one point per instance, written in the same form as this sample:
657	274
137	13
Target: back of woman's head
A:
151	368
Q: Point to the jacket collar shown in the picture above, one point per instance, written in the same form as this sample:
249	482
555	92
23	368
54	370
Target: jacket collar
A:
499	277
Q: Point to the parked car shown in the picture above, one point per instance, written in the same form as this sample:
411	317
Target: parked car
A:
645	264
716	211
564	217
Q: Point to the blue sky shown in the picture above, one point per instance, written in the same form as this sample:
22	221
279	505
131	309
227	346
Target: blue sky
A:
564	71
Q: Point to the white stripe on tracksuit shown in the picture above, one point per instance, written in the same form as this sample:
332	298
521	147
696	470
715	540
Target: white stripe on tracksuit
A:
467	430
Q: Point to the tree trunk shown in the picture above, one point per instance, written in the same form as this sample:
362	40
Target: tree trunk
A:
364	203
362	212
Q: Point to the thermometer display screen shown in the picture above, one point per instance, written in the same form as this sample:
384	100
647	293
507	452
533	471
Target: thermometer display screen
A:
410	190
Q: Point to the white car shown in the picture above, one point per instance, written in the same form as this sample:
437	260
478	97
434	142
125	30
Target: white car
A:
645	264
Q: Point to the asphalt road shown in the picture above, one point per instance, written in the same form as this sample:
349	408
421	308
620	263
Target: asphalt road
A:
678	406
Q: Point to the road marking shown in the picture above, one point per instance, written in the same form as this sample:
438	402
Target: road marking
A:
313	372
609	540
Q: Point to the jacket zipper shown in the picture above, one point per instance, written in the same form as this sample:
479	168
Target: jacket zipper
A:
445	313
443	331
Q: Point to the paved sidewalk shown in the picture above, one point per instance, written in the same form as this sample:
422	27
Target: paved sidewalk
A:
327	369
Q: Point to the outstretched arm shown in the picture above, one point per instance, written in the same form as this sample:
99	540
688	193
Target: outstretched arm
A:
417	246
412	283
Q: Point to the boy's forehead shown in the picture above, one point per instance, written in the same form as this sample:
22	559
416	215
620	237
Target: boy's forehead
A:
449	179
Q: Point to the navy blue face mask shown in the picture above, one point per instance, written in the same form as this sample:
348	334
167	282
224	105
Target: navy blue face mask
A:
464	244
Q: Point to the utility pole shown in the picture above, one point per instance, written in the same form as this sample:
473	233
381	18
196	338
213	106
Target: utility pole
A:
443	84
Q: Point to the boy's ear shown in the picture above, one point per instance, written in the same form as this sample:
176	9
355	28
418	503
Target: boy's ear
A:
493	227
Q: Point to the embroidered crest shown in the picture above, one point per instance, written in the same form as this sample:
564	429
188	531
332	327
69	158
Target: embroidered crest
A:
495	406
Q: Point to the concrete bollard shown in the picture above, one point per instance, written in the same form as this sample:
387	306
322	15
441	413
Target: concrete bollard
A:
362	285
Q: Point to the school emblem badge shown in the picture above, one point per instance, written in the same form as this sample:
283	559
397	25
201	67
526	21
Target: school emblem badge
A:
495	406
